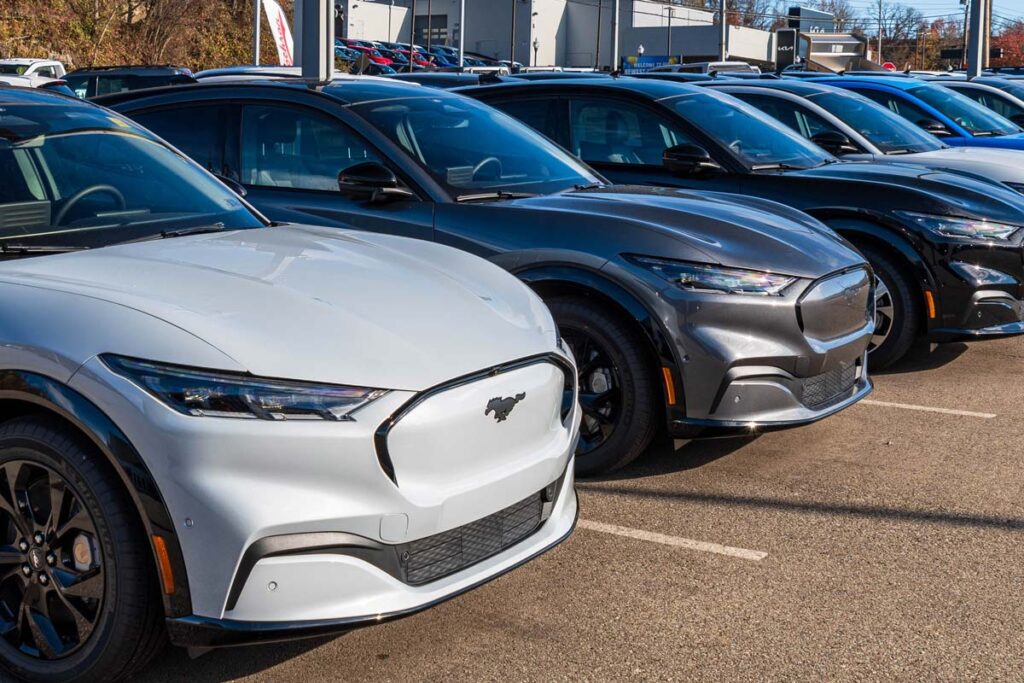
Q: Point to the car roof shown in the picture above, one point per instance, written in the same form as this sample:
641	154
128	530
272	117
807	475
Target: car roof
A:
797	87
128	69
350	90
651	88
898	82
25	61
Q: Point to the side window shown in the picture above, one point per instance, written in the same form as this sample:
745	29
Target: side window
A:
196	131
797	117
297	148
541	115
896	104
47	72
612	131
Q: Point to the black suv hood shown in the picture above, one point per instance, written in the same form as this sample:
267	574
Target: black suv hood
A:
909	187
713	227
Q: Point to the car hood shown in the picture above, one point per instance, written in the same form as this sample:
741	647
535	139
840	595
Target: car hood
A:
1002	165
926	190
313	304
716	227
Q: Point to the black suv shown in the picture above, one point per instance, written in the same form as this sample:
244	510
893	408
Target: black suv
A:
103	80
947	248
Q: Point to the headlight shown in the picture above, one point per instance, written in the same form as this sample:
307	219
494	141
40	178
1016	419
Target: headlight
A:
964	228
980	275
215	394
708	278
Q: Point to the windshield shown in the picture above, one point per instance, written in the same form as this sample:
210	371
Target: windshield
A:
891	133
470	148
967	113
758	141
13	69
80	176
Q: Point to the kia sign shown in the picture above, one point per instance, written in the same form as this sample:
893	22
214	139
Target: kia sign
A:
785	48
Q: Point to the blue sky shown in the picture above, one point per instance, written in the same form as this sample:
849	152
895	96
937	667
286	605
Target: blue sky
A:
1004	11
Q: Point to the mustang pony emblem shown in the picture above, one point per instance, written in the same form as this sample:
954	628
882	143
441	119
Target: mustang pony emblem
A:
502	407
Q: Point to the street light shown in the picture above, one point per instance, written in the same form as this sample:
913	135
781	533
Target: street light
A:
640	51
536	46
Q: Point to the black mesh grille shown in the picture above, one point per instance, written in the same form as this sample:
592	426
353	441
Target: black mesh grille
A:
436	556
830	387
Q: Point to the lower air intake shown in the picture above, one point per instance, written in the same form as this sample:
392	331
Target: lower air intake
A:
434	557
829	387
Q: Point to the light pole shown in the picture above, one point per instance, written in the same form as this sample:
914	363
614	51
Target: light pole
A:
597	50
256	33
462	33
668	48
536	46
512	38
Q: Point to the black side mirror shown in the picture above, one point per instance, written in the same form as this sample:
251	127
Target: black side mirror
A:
232	184
834	142
934	127
372	181
689	160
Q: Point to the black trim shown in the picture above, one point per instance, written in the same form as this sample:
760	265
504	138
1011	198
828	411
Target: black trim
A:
383	556
380	437
117	449
205	632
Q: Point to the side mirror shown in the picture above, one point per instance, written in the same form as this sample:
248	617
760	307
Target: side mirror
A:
689	160
372	181
934	127
834	142
232	184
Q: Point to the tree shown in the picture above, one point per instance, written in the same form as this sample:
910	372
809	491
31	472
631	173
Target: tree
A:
1011	40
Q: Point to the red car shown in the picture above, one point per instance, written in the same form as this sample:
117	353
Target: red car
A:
374	54
419	59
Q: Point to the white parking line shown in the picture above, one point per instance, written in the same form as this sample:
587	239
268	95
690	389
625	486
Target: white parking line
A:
689	544
929	409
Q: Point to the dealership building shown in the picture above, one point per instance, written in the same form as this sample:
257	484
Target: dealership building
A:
569	33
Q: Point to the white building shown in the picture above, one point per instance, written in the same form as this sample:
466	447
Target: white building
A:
557	32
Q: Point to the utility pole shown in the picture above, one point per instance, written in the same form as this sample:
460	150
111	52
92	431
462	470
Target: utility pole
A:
987	46
668	48
963	54
615	34
512	41
462	32
256	9
597	49
723	32
975	59
881	27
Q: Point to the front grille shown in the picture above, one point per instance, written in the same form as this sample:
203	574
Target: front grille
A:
434	557
829	388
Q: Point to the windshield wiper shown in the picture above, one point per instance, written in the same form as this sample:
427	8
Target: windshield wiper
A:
499	195
6	248
164	234
583	187
777	167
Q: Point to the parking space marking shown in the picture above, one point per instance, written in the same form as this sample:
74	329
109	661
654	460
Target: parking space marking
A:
675	541
929	409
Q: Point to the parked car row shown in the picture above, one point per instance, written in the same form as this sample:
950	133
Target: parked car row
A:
280	361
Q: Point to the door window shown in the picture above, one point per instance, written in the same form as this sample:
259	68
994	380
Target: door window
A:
795	116
297	148
197	131
541	115
896	104
611	131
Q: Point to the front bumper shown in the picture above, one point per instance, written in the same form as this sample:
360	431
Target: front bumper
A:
989	313
232	485
754	363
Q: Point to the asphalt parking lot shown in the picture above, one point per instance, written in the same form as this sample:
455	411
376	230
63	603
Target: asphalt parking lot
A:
882	544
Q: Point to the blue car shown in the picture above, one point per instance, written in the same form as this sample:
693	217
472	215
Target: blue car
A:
958	120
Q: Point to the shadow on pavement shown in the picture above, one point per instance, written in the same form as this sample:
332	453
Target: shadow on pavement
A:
924	357
663	458
225	664
813	507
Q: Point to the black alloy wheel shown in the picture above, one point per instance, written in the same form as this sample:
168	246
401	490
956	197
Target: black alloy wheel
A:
51	568
617	391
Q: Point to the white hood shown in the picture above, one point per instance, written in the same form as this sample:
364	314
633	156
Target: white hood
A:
314	304
1000	165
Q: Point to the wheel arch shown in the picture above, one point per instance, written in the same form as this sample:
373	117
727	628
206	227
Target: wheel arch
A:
25	393
569	279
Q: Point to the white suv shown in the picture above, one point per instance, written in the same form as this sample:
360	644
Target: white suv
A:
246	432
41	69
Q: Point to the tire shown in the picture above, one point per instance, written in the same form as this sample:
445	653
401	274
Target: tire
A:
111	585
898	310
618	390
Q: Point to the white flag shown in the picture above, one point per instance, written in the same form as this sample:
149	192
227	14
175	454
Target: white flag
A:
281	32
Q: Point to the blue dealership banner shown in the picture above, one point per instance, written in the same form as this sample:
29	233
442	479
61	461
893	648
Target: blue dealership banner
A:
638	64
